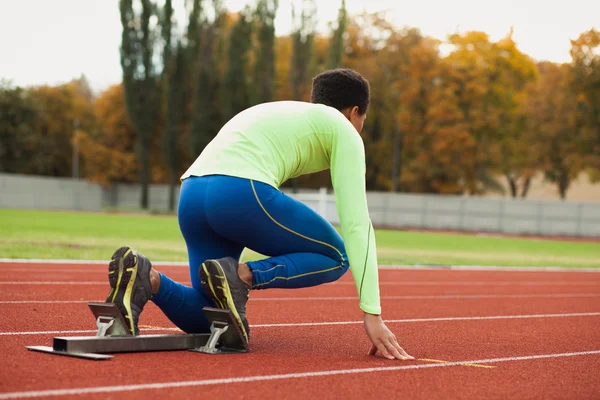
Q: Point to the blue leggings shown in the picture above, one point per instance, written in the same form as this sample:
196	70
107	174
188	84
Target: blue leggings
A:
219	216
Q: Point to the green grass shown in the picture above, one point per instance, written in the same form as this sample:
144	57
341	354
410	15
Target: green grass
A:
78	235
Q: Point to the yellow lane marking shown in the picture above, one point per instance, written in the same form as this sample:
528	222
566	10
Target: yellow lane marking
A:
466	365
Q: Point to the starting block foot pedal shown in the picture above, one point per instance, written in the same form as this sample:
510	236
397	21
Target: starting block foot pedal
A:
226	334
109	320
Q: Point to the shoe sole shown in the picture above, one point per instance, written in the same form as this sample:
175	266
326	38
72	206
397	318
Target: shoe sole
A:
122	272
214	282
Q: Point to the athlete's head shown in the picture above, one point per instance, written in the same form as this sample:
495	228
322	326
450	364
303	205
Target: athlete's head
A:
345	90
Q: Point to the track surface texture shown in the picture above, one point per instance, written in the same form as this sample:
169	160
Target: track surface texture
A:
475	335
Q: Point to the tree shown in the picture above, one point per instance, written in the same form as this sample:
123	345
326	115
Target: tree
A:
474	126
366	44
406	61
236	87
140	81
207	116
172	82
419	67
108	150
585	85
283	66
301	58
449	148
264	63
468	74
175	80
43	120
302	49
512	71
61	110
336	45
552	119
17	128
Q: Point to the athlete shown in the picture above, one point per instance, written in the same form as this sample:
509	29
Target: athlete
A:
230	200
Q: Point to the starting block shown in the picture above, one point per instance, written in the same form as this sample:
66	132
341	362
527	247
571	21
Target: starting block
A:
112	336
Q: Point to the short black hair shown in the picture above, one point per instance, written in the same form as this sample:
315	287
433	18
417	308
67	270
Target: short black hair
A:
341	88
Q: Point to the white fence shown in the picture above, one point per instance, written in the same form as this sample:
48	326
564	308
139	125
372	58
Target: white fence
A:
386	209
515	216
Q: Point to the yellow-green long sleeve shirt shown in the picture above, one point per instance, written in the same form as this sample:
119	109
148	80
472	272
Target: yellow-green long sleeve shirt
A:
273	142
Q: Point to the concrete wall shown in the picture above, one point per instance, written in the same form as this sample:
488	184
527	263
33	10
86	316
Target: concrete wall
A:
33	192
539	217
129	196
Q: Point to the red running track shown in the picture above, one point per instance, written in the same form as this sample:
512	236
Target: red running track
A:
530	334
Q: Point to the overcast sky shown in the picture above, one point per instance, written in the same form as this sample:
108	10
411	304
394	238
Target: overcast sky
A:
53	41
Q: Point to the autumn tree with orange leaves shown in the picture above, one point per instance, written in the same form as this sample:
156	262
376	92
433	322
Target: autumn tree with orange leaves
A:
108	150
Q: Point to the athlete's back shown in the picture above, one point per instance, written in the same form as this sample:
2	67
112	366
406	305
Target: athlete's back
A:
273	142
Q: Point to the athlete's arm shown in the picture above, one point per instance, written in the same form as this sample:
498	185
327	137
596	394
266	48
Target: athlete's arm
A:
348	175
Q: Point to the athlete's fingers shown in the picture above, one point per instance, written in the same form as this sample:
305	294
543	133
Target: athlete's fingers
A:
403	353
378	345
373	350
392	349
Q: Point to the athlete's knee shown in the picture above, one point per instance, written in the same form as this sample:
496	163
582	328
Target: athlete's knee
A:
343	263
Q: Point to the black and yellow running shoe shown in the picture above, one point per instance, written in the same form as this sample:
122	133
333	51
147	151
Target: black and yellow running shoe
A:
221	282
130	288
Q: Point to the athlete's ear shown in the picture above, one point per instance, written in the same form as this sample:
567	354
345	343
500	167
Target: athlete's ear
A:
347	113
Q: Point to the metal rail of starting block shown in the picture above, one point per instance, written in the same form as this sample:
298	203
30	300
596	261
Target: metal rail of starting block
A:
113	336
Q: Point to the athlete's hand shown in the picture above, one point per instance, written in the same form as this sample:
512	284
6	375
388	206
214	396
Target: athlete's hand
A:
383	339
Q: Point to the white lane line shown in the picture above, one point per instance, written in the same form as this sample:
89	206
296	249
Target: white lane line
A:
491	268
65	332
79	269
54	283
46	301
343	298
89	262
439	297
87	283
402	321
409	267
383	283
391	321
478	283
298	375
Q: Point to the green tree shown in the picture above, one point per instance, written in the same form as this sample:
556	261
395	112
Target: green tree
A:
172	82
585	85
207	115
140	81
302	49
336	45
264	62
17	128
61	111
236	86
174	107
192	41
